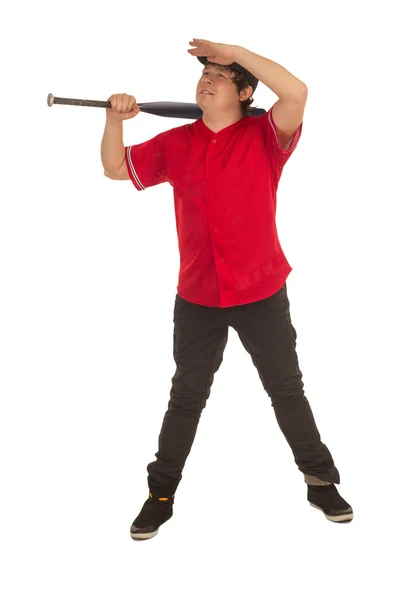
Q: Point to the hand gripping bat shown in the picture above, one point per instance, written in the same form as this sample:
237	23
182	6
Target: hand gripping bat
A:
178	110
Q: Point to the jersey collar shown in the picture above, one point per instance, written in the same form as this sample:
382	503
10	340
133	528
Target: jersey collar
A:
204	131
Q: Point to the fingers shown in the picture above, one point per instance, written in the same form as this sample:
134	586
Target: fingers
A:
122	103
131	103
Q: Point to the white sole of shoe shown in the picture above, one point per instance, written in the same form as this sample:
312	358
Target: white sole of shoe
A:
143	536
337	519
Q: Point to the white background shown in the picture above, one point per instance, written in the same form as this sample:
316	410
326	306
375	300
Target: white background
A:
88	278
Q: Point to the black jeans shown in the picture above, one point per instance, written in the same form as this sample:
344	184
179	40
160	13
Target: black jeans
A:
266	331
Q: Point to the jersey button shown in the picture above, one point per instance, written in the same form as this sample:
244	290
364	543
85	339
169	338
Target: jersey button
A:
221	260
214	141
216	229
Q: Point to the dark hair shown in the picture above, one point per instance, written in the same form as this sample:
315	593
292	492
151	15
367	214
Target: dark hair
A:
241	82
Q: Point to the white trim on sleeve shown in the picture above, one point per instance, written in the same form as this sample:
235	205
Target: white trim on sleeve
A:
135	175
287	148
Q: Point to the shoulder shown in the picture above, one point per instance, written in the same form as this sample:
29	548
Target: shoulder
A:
181	130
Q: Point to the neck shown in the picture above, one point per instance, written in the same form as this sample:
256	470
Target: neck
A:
217	121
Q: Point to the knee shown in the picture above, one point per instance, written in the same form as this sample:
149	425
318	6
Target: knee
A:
188	402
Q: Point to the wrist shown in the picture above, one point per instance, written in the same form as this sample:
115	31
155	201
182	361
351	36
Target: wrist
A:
113	122
237	53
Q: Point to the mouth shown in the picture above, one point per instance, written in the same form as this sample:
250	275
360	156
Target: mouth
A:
206	92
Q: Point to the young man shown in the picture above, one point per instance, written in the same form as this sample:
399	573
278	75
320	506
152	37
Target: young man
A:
224	169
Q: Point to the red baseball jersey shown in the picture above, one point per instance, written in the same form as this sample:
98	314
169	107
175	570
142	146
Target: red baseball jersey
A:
224	187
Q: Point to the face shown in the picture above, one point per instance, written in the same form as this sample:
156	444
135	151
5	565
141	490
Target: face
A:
218	80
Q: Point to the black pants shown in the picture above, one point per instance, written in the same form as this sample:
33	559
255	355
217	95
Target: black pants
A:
266	331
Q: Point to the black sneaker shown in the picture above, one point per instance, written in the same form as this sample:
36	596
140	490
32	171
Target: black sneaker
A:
155	511
327	499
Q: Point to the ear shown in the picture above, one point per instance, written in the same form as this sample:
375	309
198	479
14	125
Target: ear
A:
246	93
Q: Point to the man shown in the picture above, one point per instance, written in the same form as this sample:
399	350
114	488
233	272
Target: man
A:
224	169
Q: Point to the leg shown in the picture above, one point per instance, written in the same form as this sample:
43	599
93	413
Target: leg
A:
266	331
200	337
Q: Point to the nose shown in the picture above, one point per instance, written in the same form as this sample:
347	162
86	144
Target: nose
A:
204	79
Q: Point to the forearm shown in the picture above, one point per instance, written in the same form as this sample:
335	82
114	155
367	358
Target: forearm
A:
270	73
112	147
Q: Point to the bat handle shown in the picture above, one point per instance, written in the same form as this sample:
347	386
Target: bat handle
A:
71	101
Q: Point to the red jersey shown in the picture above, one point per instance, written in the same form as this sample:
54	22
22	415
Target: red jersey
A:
224	187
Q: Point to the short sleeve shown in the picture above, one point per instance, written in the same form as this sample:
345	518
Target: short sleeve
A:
146	162
279	156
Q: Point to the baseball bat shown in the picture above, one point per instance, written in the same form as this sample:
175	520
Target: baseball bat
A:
179	110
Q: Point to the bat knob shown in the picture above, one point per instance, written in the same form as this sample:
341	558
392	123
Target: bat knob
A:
50	100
